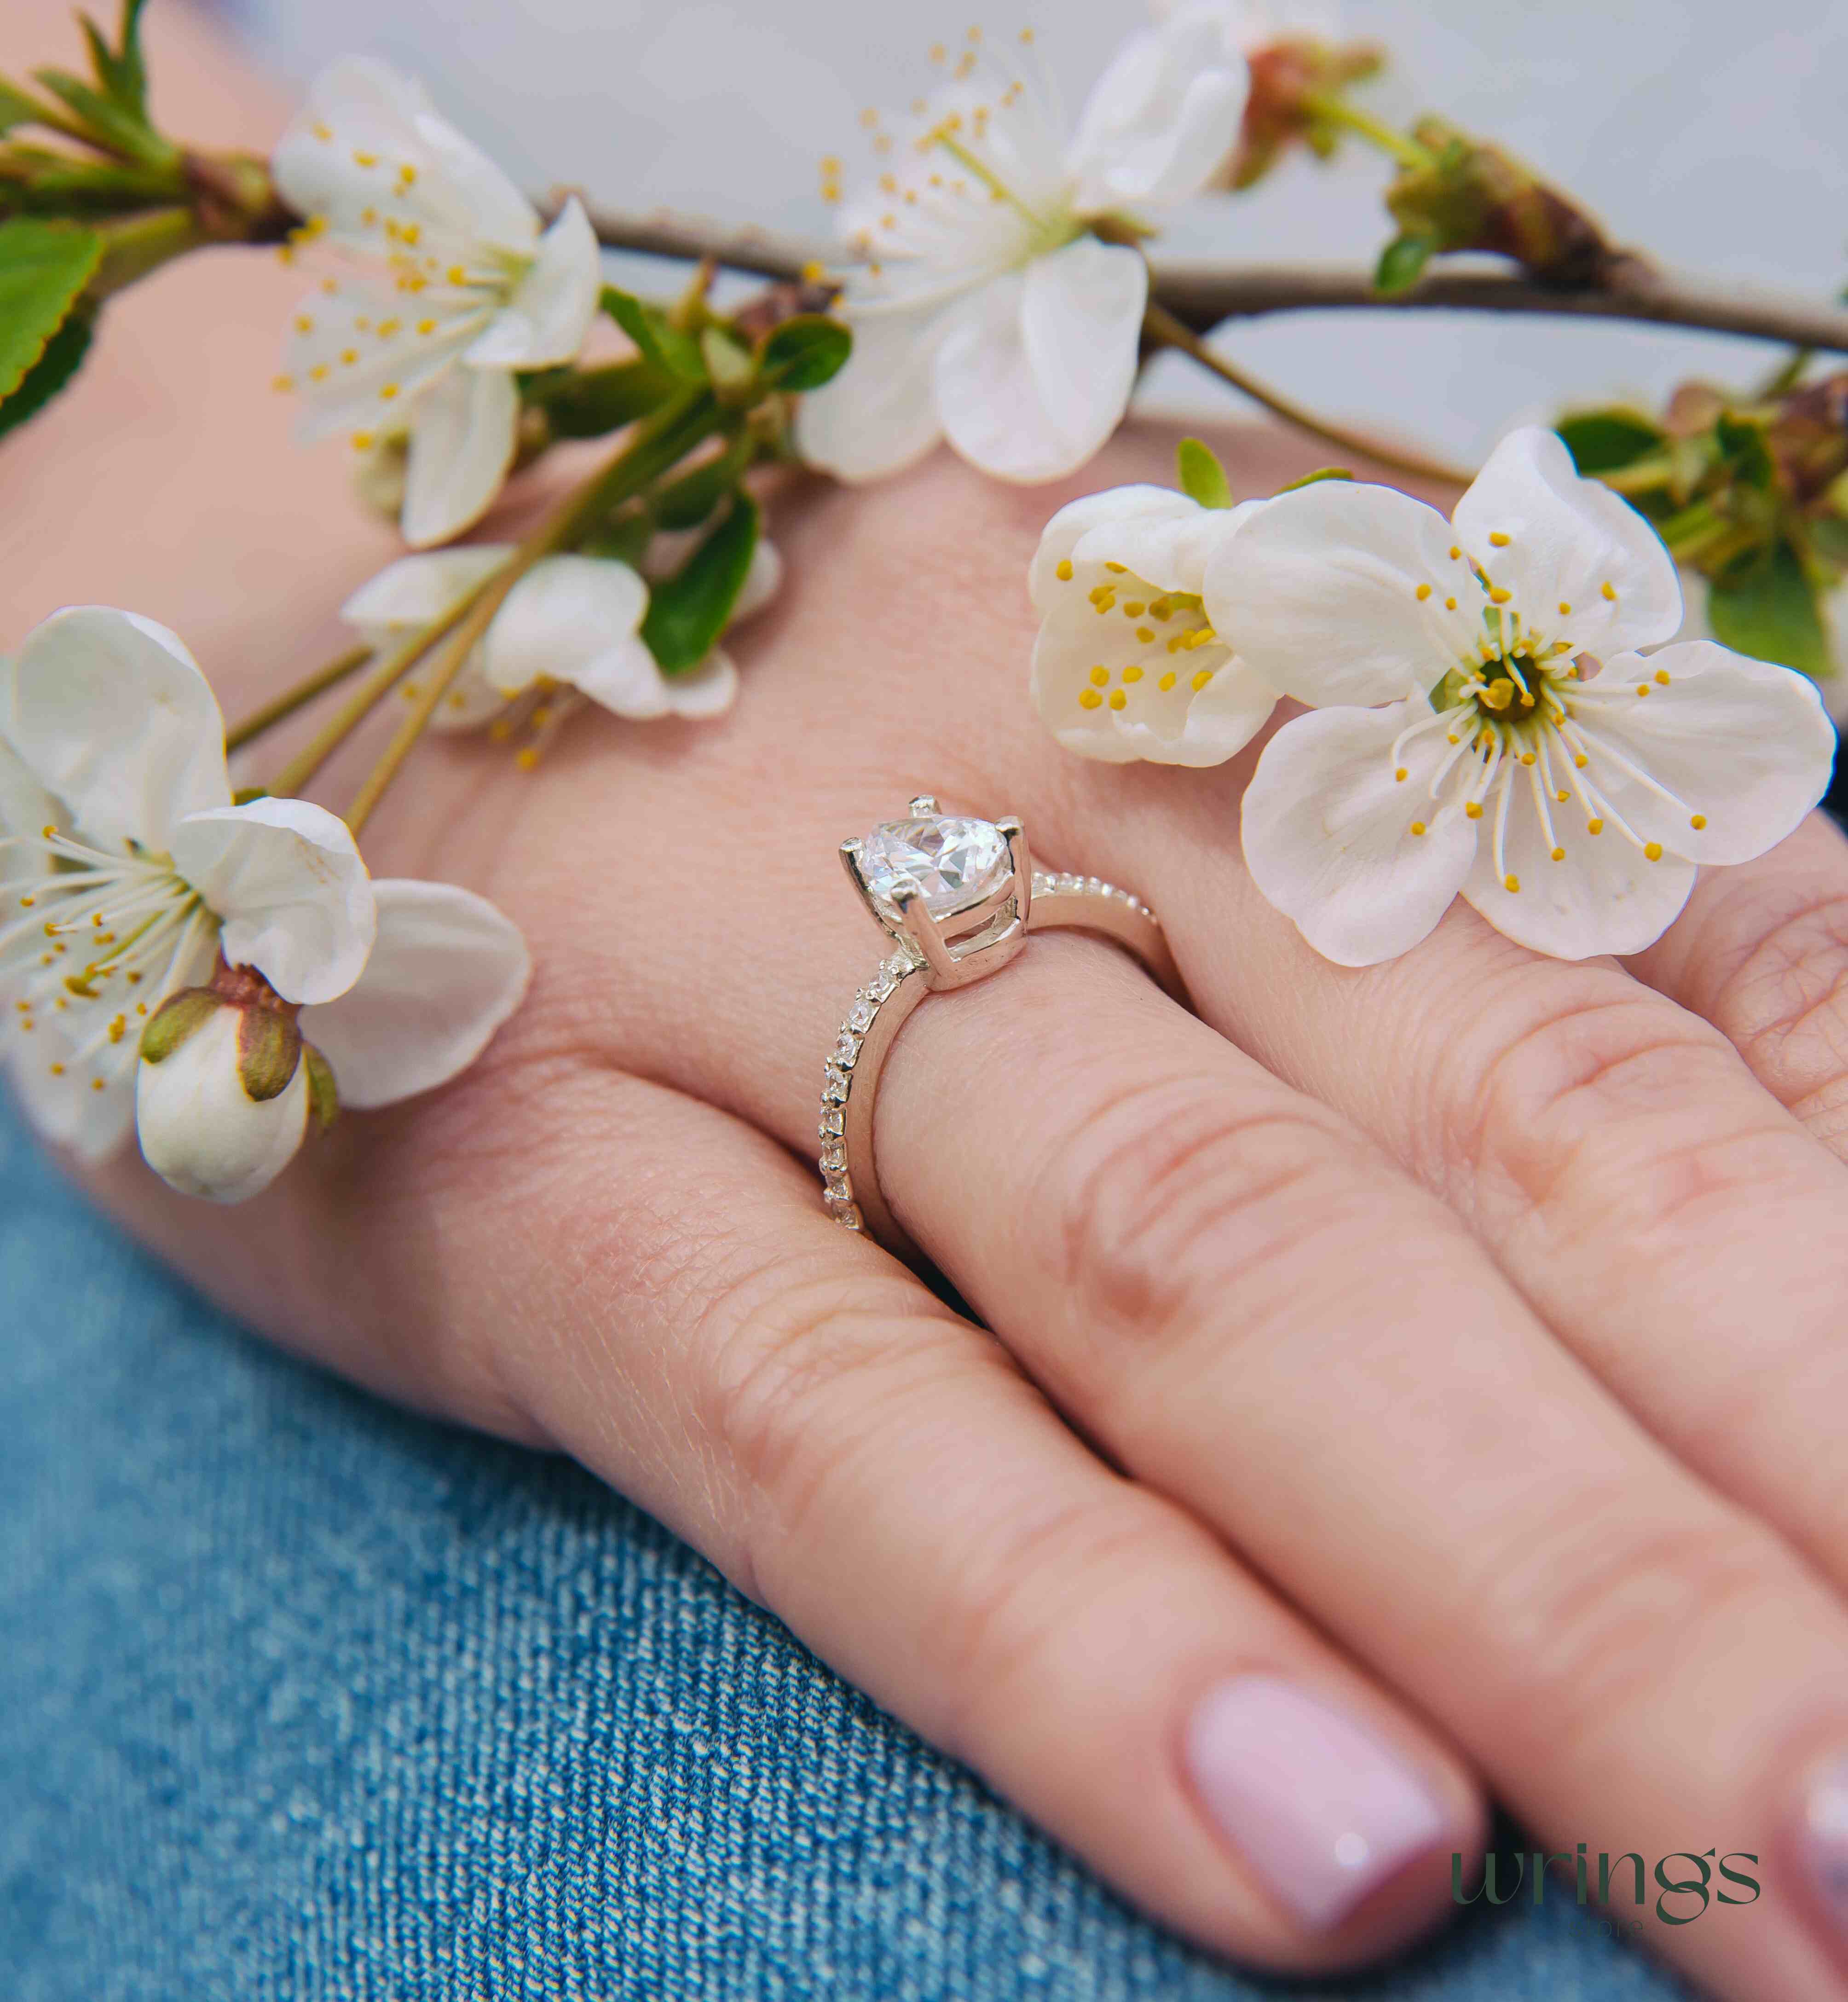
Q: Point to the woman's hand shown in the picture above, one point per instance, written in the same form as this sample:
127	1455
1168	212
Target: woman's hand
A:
1404	1383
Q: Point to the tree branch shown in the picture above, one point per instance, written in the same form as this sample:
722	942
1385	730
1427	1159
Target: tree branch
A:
1201	294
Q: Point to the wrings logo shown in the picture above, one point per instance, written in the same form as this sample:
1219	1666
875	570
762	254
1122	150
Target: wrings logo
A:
1684	1881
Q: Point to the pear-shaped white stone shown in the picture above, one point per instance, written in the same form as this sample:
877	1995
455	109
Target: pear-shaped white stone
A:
955	863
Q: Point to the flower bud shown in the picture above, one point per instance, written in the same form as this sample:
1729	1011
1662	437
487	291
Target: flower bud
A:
1470	195
1290	74
224	1089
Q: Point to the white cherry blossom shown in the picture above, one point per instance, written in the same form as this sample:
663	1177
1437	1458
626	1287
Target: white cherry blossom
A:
127	867
572	622
1130	662
128	873
985	309
1485	724
466	288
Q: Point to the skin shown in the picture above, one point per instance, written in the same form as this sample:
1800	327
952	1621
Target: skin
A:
1456	1338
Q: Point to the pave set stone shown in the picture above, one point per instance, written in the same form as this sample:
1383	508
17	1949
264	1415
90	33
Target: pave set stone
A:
837	1082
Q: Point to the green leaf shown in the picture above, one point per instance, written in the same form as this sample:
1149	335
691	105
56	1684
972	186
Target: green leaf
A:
1606	441
120	70
122	132
803	353
1828	539
1202	477
624	540
1320	473
1743	449
43	268
660	340
692	497
728	362
587	403
688	611
17	107
1765	606
62	359
1402	262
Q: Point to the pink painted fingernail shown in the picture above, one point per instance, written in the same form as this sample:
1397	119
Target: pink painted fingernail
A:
1320	1809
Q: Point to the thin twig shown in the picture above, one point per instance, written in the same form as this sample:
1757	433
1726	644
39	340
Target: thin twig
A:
1201	294
1166	331
286	704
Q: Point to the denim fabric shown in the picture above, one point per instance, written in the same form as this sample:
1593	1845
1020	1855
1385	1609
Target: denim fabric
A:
303	1698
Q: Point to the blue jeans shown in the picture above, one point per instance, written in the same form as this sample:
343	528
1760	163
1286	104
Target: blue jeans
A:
301	1698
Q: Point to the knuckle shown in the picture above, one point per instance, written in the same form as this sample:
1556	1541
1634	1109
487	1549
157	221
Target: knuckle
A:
1036	1576
1167	1199
1595	1610
800	1369
1784	1006
1619	1111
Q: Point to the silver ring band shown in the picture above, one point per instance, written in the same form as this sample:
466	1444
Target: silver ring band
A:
946	933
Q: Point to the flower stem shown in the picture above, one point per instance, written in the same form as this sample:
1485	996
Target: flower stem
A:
1165	331
1334	110
659	444
373	690
285	705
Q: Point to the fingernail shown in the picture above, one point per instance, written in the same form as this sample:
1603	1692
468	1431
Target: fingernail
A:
1826	1844
1318	1807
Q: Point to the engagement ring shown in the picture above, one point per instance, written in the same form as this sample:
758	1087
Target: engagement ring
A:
957	897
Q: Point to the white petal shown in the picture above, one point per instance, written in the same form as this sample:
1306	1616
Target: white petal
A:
544	321
1321	587
474	191
25	805
1604	896
363	124
1567	540
1161	118
1115	508
463	432
447	971
623	676
879	415
358	358
1035	371
68	1109
564	614
763	581
417	591
709	691
1172	553
1745	745
201	1132
111	714
288	882
1180	725
1327	832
